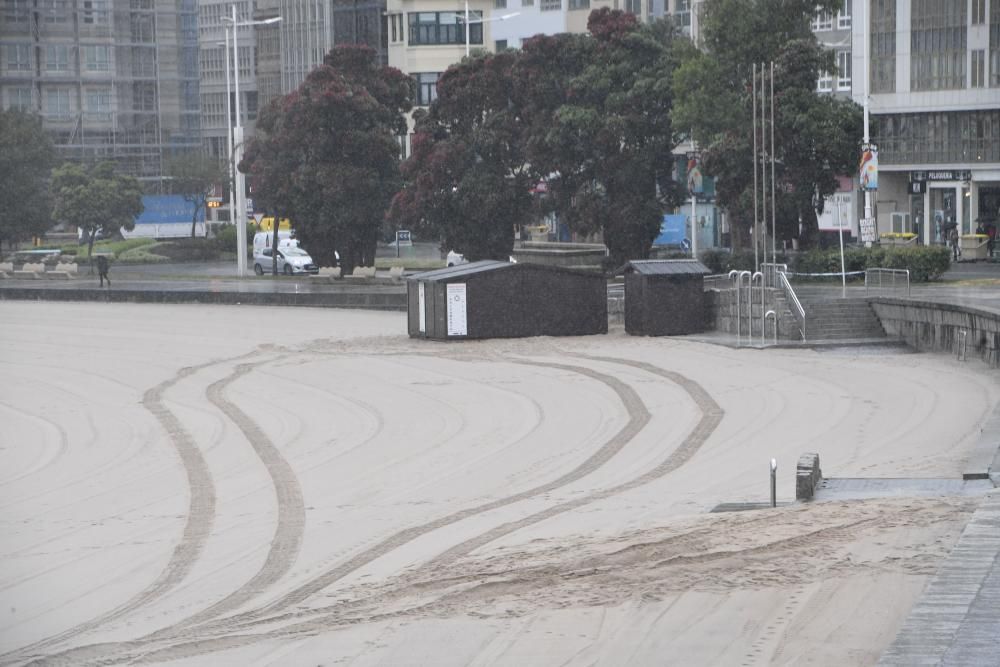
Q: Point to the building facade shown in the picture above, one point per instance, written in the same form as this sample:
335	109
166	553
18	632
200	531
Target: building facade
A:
934	73
112	79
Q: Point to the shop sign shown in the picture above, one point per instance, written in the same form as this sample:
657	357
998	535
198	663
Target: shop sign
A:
942	175
868	230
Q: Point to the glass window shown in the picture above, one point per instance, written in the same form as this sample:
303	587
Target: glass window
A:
97	58
978	79
938	44
844	16
843	70
825	82
938	137
994	43
978	12
882	70
499	4
549	5
99	101
57	103
527	3
500	45
822	22
445	28
56	58
18	57
579	4
633	7
426	87
19	98
16	11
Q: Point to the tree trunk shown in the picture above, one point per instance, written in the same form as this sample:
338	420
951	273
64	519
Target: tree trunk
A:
194	219
275	226
90	248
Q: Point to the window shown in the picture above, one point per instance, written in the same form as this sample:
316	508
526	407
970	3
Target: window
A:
18	57
883	46
843	70
825	82
978	12
633	7
444	28
426	87
500	45
579	4
938	137
822	22
97	58
396	27
19	98
56	58
549	5
527	3
144	96
98	103
938	44
994	43
978	69
16	11
499	4
54	11
57	103
95	12
844	16
682	14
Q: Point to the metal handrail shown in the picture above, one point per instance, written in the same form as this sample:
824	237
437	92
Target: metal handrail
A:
758	276
871	274
770	271
739	286
790	295
734	275
773	315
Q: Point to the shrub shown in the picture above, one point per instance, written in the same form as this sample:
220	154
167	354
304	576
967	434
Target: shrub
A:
189	250
924	263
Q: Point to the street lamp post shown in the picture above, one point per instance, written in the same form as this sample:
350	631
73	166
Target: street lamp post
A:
236	144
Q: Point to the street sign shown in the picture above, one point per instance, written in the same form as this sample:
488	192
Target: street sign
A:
257	217
868	230
403	238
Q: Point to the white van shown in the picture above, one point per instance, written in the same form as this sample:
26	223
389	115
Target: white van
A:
263	240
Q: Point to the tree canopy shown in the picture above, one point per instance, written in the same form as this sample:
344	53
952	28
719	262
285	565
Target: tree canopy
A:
94	197
587	115
816	135
194	176
26	158
327	155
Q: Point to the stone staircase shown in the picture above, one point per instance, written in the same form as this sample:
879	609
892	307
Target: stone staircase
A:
841	319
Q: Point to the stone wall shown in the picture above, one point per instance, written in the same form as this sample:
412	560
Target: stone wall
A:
936	327
720	313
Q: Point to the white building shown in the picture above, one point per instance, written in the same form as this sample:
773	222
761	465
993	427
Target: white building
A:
934	69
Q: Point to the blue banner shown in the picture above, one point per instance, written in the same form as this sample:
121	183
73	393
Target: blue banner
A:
163	209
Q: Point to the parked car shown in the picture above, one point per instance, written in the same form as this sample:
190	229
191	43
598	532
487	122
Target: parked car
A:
456	258
291	260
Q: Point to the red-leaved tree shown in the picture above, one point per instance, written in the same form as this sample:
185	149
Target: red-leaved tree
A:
327	155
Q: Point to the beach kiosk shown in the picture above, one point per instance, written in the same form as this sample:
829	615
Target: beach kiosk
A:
664	297
492	299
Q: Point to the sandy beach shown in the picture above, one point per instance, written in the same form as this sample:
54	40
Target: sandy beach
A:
224	485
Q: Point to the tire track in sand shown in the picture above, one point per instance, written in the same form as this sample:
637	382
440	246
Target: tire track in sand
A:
638	417
197	527
290	527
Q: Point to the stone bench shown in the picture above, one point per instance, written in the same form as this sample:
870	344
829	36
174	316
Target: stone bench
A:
326	274
30	270
395	276
63	271
6	269
362	273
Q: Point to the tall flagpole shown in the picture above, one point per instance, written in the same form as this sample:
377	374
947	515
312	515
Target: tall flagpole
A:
774	202
753	105
763	166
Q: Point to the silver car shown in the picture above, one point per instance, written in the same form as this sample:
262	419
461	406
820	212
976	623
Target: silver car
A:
291	260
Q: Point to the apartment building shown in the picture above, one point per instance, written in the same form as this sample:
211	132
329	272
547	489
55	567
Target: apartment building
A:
934	71
112	79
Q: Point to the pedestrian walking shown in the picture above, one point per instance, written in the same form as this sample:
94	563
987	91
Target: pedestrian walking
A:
102	269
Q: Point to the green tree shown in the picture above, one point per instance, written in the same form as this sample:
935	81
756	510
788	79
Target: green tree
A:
467	181
327	154
194	176
586	114
607	151
95	198
816	135
26	158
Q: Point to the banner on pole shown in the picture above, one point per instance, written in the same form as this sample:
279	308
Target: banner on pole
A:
869	167
695	180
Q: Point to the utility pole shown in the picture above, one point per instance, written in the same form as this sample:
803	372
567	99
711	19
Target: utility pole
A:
753	105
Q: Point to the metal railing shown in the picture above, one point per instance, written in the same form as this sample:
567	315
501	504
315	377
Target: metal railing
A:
774	317
719	281
771	271
884	280
798	311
